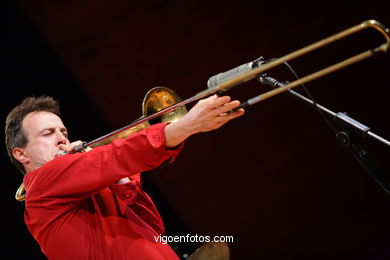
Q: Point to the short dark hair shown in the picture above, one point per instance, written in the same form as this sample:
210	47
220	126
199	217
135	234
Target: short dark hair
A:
14	134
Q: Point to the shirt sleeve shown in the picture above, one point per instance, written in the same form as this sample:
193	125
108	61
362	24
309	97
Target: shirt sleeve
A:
82	174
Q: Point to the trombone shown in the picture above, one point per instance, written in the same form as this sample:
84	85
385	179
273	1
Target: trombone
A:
170	109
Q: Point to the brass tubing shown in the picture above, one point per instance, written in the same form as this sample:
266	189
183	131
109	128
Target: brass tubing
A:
256	71
318	74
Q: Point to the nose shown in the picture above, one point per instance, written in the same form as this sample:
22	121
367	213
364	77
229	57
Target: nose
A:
61	138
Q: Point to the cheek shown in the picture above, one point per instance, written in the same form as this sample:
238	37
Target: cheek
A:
41	149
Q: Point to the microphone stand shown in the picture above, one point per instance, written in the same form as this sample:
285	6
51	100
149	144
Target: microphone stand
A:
350	137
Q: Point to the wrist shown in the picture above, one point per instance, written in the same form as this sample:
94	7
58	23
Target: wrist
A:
176	133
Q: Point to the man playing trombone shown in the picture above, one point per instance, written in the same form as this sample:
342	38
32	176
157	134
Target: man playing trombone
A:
91	205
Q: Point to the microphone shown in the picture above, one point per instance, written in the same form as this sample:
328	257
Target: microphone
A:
216	80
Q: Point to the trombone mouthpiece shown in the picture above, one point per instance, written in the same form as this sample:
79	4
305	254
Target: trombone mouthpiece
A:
61	152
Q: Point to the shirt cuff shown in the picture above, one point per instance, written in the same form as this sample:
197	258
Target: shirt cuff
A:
156	135
127	192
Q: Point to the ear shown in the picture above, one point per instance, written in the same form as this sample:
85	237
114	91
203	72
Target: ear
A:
20	155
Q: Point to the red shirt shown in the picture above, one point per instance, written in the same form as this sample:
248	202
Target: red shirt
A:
75	211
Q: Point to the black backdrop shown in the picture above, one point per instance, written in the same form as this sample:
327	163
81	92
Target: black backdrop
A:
275	179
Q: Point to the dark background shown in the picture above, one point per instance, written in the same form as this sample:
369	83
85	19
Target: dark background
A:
274	179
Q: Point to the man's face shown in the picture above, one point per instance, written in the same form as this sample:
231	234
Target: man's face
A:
46	135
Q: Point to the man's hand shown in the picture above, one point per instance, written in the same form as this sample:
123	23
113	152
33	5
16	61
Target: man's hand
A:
69	148
208	114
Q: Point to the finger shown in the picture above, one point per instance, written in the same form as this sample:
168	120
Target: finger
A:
218	101
73	145
209	99
63	147
227	107
236	114
212	97
226	117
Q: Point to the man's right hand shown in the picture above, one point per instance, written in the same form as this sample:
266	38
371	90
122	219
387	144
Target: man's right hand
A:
207	115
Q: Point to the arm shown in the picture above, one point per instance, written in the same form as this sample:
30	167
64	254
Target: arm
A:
207	115
79	175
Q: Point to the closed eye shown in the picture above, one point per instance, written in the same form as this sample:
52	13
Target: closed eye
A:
48	132
65	133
